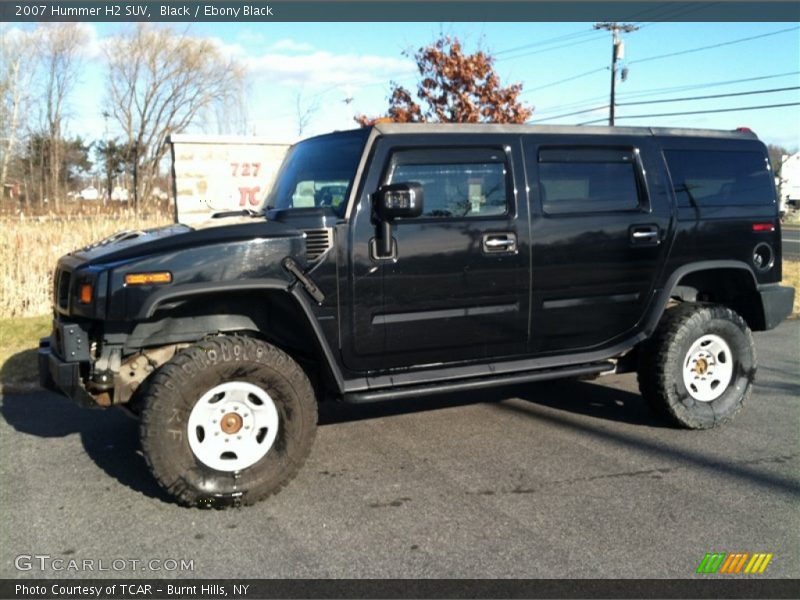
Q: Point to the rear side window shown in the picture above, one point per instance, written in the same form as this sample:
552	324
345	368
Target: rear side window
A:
580	180
720	178
456	183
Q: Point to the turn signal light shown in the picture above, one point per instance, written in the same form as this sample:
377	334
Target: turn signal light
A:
85	293
148	278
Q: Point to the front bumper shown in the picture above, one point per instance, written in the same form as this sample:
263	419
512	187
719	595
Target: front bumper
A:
777	301
61	376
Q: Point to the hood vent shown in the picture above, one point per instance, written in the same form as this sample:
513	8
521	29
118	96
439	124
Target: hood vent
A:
120	236
318	242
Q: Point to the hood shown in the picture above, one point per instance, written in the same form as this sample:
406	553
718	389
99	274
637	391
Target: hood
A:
126	245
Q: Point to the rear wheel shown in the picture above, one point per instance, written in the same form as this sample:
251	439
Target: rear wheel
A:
698	368
227	421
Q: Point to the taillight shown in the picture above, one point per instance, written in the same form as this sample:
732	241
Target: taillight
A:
763	227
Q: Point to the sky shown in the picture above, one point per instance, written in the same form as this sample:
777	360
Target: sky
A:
345	68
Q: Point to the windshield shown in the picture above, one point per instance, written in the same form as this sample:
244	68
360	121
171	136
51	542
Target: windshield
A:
318	172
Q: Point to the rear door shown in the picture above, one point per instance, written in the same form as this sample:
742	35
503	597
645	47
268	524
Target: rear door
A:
458	286
602	217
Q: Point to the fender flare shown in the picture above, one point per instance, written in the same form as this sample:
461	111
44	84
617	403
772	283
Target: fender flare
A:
149	308
661	297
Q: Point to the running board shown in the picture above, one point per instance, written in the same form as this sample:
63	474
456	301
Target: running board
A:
465	385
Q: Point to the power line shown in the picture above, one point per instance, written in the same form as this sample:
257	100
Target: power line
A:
577	35
660	91
709	47
729	95
560	81
671	10
684	99
682	52
674	11
578	112
698	86
698	112
559	38
543	50
583	33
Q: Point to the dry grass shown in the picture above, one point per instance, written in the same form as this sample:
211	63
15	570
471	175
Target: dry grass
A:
19	339
30	247
791	276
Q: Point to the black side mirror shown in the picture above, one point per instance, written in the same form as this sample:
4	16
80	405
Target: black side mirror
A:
398	200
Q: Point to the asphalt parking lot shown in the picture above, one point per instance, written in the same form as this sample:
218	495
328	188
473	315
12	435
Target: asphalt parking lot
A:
790	240
563	479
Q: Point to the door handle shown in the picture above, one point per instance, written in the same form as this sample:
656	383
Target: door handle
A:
645	235
499	243
494	243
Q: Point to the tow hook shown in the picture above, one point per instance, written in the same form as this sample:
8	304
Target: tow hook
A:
309	285
102	381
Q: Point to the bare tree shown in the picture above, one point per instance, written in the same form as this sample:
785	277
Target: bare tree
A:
305	111
16	73
232	116
159	82
61	52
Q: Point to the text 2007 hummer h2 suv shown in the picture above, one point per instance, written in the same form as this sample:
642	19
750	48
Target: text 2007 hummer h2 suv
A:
409	260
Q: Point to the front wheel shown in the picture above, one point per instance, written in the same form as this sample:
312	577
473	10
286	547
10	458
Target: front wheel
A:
227	421
699	366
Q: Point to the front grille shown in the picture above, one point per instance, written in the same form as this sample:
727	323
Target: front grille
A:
62	288
318	242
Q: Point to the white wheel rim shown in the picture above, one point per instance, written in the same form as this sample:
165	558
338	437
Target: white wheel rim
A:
232	426
708	368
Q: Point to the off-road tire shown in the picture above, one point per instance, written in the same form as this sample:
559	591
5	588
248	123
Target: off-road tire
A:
180	383
661	363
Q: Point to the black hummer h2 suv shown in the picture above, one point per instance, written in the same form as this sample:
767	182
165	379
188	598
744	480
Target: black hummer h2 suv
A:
409	260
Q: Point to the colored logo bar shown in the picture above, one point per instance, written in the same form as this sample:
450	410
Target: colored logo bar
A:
734	563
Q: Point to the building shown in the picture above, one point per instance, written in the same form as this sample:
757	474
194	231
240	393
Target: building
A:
790	181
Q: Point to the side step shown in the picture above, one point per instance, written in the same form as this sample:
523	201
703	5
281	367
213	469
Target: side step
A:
463	385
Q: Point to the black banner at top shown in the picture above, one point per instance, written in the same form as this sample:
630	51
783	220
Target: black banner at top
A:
390	10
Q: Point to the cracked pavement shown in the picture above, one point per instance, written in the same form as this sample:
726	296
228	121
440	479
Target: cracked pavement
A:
558	479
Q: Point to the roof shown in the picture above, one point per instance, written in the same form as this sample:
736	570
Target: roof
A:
454	128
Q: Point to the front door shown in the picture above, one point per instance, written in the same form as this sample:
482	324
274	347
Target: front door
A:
457	288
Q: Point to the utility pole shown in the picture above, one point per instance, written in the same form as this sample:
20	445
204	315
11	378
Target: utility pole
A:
616	53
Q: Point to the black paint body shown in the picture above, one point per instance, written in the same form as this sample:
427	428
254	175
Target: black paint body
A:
577	287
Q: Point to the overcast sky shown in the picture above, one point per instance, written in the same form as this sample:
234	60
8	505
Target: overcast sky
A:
345	68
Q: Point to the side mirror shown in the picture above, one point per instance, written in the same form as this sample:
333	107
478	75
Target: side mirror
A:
398	200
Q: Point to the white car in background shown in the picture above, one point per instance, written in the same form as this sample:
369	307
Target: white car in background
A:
89	193
119	194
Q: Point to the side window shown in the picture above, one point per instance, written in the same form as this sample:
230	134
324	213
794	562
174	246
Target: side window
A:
308	194
720	178
580	180
463	183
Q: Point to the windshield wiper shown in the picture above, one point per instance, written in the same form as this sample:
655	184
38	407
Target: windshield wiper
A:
245	212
